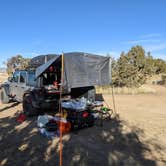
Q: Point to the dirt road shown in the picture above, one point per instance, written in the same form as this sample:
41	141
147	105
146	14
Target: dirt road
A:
147	113
136	138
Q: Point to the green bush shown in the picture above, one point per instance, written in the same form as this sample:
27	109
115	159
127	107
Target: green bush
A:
133	68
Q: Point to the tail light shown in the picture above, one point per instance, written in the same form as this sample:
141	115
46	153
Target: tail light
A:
85	114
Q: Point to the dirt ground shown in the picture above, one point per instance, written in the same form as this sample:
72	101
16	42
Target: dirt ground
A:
3	77
137	137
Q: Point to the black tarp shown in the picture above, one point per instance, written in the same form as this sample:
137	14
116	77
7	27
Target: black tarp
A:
82	69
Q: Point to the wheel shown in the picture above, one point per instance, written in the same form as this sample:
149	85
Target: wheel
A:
28	108
3	96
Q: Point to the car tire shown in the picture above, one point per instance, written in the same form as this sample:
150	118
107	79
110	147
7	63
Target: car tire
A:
3	96
28	108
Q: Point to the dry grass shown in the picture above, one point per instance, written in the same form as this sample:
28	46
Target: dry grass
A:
125	90
3	77
146	88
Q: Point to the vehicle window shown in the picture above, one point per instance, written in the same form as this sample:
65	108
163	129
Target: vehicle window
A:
31	79
22	77
16	76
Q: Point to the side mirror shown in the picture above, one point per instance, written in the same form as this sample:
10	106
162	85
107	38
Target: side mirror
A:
10	79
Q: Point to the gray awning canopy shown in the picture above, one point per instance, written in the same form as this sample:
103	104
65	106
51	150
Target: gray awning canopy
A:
41	69
81	69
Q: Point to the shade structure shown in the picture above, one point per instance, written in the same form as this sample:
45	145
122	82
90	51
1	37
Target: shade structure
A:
81	69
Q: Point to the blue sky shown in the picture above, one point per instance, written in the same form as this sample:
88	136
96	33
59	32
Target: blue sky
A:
33	27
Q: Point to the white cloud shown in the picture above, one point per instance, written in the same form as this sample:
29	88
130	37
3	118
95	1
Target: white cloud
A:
156	47
147	38
142	41
151	35
153	42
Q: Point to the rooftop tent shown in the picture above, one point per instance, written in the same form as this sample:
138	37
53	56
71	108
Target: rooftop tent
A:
81	69
41	59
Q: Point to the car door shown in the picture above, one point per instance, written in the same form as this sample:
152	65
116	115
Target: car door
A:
14	84
22	87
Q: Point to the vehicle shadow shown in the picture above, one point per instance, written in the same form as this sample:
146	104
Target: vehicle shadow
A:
21	144
107	145
10	106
